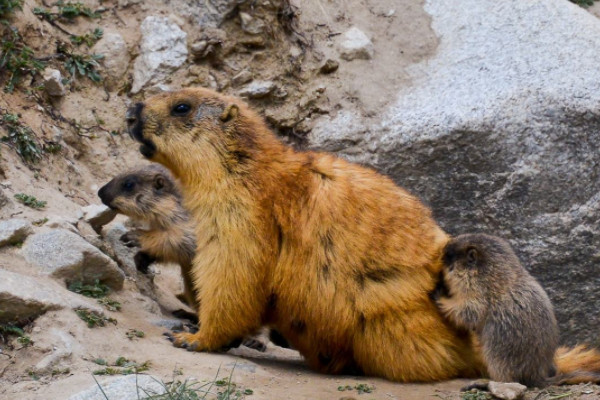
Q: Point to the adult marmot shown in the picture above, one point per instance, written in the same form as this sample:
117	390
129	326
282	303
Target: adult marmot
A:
335	256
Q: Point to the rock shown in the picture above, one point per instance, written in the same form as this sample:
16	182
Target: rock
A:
25	297
98	215
121	253
169	324
163	49
59	222
242	77
131	387
198	48
14	231
498	134
63	254
127	3
5	201
329	66
355	44
258	89
116	55
53	82
250	24
90	235
507	391
61	350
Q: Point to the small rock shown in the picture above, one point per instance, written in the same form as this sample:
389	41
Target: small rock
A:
131	387
258	89
158	88
127	3
24	297
198	48
242	77
53	82
58	222
355	45
60	352
256	41
329	66
163	49
14	231
170	324
250	24
98	215
63	254
121	253
86	231
116	55
4	199
507	391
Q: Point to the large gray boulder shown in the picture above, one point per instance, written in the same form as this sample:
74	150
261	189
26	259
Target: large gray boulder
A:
499	132
66	255
163	49
131	387
23	297
14	230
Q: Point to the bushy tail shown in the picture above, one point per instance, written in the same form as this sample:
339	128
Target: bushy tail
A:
579	364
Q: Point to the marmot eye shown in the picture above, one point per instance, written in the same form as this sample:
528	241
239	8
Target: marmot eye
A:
129	185
181	109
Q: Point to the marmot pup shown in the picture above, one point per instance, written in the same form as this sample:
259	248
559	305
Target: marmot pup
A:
150	196
490	293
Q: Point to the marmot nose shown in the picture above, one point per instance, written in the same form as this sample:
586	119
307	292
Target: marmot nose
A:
131	116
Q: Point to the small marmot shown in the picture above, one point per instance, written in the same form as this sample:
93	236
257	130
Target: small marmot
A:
150	196
490	293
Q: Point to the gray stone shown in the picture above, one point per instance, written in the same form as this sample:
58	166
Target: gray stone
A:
251	24
4	199
127	3
98	215
163	49
63	254
117	249
23	297
59	222
53	82
258	89
62	350
170	324
242	77
116	55
14	231
131	387
498	133
86	231
507	391
354	44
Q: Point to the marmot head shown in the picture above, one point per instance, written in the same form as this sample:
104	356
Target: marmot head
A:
193	130
479	263
144	193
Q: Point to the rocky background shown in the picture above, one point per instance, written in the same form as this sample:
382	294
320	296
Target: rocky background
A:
486	110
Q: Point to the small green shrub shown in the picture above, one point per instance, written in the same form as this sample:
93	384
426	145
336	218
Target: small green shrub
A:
584	3
109	304
134	333
30	201
85	65
7	7
93	318
16	59
13	330
89	39
122	366
95	290
21	138
65	11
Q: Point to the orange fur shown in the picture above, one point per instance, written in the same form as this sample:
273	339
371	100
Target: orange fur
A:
333	255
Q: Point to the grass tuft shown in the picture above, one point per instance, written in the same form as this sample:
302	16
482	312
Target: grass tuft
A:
93	318
21	138
95	290
30	201
122	366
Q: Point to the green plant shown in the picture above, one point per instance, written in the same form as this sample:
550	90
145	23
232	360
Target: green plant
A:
95	290
475	394
123	366
109	304
88	38
84	65
94	318
65	11
13	330
134	333
40	222
16	59
360	388
584	3
21	138
8	7
52	148
30	201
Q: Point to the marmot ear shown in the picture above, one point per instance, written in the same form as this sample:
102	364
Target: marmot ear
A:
159	182
472	256
230	112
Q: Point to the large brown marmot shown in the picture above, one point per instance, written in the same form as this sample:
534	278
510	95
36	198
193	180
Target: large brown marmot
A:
335	256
